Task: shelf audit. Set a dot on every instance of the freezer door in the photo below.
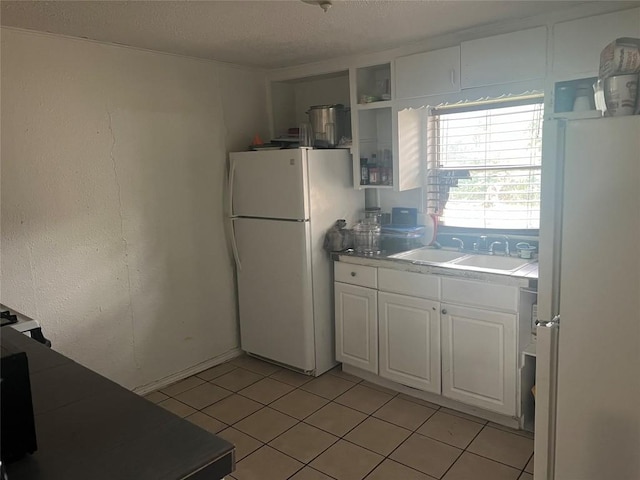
(275, 291)
(269, 184)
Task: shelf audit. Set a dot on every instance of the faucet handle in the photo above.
(482, 243)
(506, 245)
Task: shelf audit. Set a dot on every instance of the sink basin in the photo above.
(492, 262)
(427, 254)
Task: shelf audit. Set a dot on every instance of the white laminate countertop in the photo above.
(525, 277)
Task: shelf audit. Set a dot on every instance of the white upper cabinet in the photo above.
(428, 73)
(506, 58)
(577, 43)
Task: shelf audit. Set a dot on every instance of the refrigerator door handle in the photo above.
(547, 334)
(234, 244)
(543, 323)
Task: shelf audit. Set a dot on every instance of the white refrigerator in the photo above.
(282, 202)
(587, 424)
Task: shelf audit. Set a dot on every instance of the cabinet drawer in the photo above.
(356, 274)
(408, 283)
(480, 294)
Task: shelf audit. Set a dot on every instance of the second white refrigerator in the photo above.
(282, 203)
(588, 363)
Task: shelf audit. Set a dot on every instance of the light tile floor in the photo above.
(289, 426)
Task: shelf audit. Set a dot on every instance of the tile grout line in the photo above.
(339, 437)
(369, 414)
(263, 444)
(525, 465)
(297, 422)
(342, 437)
(492, 459)
(416, 432)
(388, 456)
(436, 440)
(268, 405)
(463, 451)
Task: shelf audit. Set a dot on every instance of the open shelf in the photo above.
(577, 115)
(374, 105)
(566, 101)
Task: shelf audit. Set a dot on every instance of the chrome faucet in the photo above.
(460, 243)
(505, 243)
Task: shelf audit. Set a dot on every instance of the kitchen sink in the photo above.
(492, 262)
(427, 254)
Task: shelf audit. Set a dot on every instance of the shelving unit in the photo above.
(577, 115)
(291, 99)
(563, 97)
(374, 105)
(372, 127)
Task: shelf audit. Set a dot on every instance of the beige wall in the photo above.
(113, 168)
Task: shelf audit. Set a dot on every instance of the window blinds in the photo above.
(484, 165)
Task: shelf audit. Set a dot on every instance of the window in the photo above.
(484, 164)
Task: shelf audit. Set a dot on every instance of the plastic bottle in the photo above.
(374, 172)
(364, 172)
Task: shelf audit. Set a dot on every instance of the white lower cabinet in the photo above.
(479, 357)
(356, 326)
(409, 341)
(449, 336)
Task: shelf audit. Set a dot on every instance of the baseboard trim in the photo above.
(176, 377)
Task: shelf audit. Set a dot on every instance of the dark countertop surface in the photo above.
(88, 427)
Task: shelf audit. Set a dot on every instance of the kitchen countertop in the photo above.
(88, 427)
(526, 276)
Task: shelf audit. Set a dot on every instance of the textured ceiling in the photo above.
(264, 33)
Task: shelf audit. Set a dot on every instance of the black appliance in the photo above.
(18, 427)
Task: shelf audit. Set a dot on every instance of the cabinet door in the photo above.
(510, 57)
(356, 326)
(409, 332)
(479, 358)
(428, 73)
(577, 44)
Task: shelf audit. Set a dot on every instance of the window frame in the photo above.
(531, 98)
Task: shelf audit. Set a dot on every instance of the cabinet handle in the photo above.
(453, 78)
(353, 274)
(444, 311)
